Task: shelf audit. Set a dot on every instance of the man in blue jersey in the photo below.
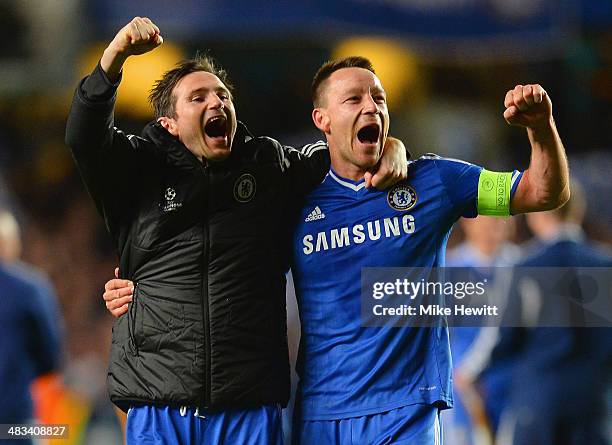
(386, 385)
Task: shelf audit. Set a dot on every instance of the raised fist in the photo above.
(139, 36)
(527, 106)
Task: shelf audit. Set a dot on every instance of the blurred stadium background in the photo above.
(446, 65)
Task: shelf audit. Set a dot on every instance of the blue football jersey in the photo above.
(347, 370)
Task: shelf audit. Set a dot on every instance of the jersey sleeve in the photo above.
(306, 168)
(473, 190)
(460, 180)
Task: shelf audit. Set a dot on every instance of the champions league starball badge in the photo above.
(402, 197)
(170, 194)
(170, 204)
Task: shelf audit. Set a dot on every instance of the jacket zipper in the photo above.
(132, 309)
(205, 296)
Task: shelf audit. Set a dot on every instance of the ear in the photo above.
(169, 124)
(321, 119)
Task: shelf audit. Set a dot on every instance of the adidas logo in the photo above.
(315, 215)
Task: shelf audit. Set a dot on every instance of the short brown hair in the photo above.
(161, 96)
(331, 66)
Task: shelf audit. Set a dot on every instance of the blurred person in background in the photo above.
(561, 375)
(30, 327)
(10, 238)
(202, 231)
(488, 251)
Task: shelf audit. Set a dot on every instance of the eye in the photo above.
(380, 98)
(352, 99)
(223, 96)
(197, 99)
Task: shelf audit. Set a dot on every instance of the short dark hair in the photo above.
(161, 96)
(330, 67)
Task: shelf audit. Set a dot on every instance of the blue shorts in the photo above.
(416, 424)
(171, 426)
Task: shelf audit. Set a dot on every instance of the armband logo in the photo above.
(402, 197)
(245, 188)
(488, 185)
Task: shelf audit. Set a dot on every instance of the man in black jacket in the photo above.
(203, 232)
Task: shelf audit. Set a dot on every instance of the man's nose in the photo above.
(215, 102)
(370, 105)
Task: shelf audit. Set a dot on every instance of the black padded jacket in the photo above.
(207, 247)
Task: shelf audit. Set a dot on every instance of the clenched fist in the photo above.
(139, 36)
(527, 106)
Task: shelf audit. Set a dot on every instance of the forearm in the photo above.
(545, 184)
(549, 164)
(112, 62)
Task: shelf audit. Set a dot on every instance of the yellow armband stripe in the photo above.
(494, 193)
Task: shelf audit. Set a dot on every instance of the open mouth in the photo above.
(369, 134)
(216, 127)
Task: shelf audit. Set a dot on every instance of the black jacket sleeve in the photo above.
(305, 168)
(108, 160)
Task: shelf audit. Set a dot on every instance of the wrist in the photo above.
(545, 129)
(112, 61)
(116, 54)
(543, 126)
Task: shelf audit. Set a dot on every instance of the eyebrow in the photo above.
(357, 91)
(216, 89)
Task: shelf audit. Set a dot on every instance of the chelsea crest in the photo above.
(402, 197)
(244, 188)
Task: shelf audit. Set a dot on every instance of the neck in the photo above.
(345, 168)
(548, 234)
(486, 248)
(550, 230)
(561, 230)
(349, 171)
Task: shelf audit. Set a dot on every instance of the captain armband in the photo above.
(494, 193)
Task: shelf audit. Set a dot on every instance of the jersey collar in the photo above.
(348, 183)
